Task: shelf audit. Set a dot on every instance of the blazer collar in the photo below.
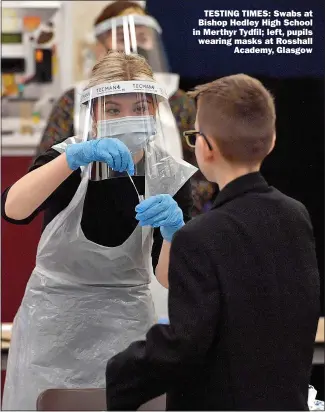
(252, 182)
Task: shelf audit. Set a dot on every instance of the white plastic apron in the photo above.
(83, 304)
(170, 82)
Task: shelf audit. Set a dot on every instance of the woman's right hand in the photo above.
(108, 150)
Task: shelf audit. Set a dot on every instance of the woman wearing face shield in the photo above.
(102, 191)
(109, 32)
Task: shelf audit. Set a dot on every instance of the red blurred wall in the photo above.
(18, 245)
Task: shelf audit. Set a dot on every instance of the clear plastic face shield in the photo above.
(128, 111)
(135, 33)
(131, 111)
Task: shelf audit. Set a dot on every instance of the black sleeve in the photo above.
(152, 367)
(185, 201)
(13, 221)
(58, 200)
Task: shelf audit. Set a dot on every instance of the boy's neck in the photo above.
(223, 177)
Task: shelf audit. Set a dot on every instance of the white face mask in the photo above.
(133, 131)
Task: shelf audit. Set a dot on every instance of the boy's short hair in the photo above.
(239, 114)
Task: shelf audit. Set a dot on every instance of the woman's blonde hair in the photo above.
(118, 66)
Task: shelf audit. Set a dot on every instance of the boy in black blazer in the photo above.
(243, 278)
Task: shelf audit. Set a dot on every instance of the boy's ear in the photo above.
(272, 144)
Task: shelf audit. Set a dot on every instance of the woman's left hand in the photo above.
(161, 211)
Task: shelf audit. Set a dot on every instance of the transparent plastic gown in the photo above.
(85, 302)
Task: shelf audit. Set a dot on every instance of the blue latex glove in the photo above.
(161, 211)
(108, 150)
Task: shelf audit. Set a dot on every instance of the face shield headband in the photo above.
(135, 33)
(128, 23)
(116, 105)
(129, 111)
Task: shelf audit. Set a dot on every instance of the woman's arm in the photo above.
(185, 201)
(161, 248)
(26, 195)
(163, 264)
